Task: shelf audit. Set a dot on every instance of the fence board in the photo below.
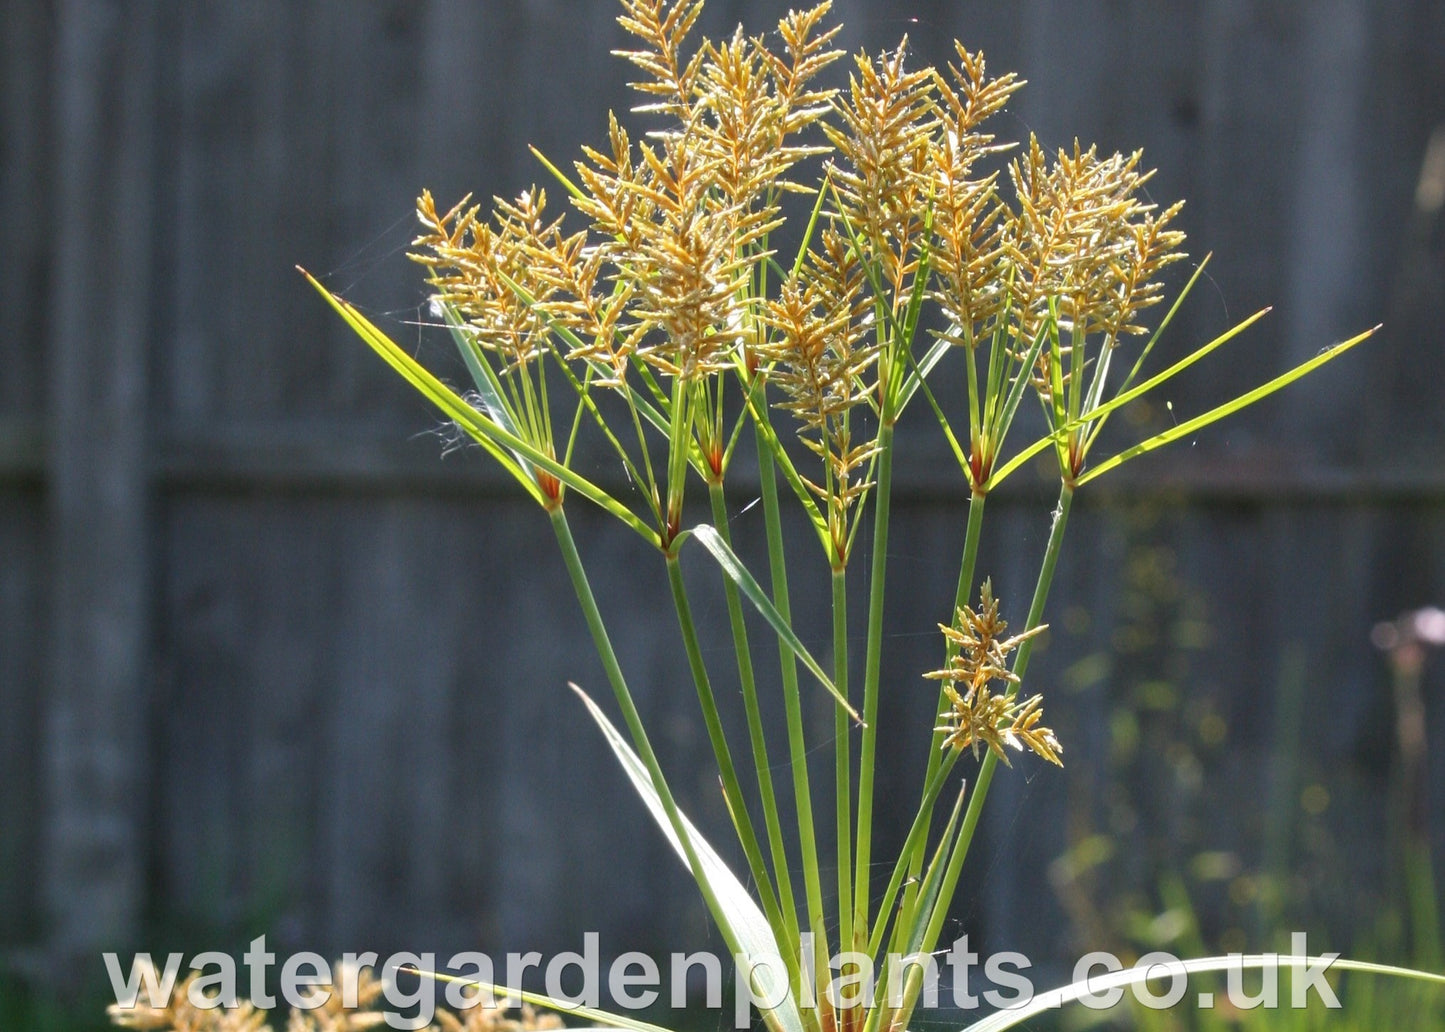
(26, 50)
(22, 637)
(92, 860)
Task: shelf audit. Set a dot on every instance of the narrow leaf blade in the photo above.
(1075, 991)
(1124, 397)
(733, 567)
(603, 1018)
(495, 438)
(1228, 408)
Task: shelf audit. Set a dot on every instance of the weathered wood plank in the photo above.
(22, 660)
(27, 201)
(100, 313)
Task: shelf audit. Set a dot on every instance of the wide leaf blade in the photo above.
(747, 928)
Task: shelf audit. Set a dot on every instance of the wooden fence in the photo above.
(267, 663)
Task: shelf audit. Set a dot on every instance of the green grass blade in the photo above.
(648, 410)
(908, 943)
(784, 462)
(1164, 323)
(930, 902)
(489, 388)
(792, 702)
(1058, 412)
(578, 345)
(733, 567)
(1075, 991)
(872, 666)
(842, 762)
(660, 397)
(812, 225)
(588, 405)
(920, 283)
(959, 455)
(746, 929)
(1100, 415)
(561, 177)
(496, 439)
(1124, 397)
(737, 431)
(917, 834)
(1228, 408)
(722, 752)
(757, 735)
(921, 369)
(1020, 384)
(451, 404)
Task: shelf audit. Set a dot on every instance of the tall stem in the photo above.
(843, 768)
(872, 665)
(732, 789)
(935, 753)
(756, 734)
(630, 716)
(990, 759)
(792, 704)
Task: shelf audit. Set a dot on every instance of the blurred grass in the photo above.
(23, 1007)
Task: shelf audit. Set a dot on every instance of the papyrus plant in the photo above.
(661, 316)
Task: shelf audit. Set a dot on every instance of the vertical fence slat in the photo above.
(93, 852)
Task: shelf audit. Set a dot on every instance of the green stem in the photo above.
(872, 666)
(917, 833)
(960, 598)
(792, 697)
(630, 716)
(990, 759)
(732, 789)
(843, 768)
(679, 428)
(789, 931)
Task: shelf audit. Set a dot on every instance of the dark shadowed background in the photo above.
(269, 664)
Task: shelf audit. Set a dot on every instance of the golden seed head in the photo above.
(669, 268)
(979, 712)
(968, 258)
(820, 354)
(180, 1015)
(887, 118)
(1083, 240)
(488, 272)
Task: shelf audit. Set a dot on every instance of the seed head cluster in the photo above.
(981, 712)
(672, 278)
(179, 1014)
(1082, 240)
(675, 271)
